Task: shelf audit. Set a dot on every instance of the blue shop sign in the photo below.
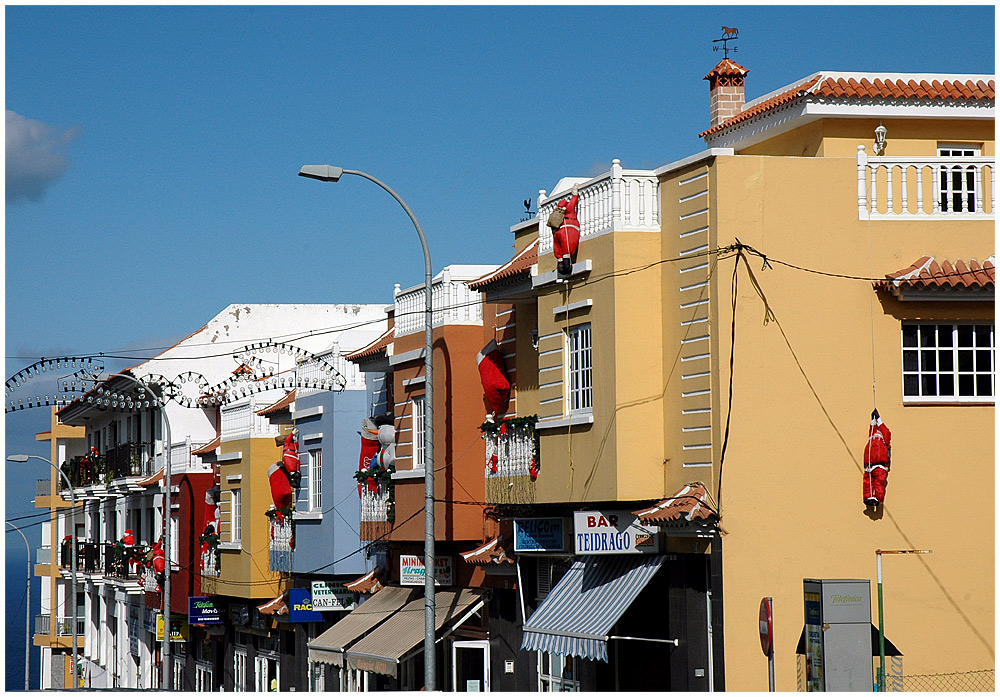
(300, 607)
(203, 610)
(538, 535)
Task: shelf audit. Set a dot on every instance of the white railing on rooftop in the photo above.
(454, 303)
(240, 421)
(313, 372)
(925, 188)
(622, 199)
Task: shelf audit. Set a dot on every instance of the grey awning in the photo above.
(329, 646)
(576, 615)
(382, 650)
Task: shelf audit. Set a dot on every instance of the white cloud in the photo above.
(35, 156)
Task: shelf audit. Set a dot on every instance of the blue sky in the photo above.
(152, 151)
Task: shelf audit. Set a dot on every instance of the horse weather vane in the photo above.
(728, 34)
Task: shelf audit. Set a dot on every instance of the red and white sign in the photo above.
(766, 627)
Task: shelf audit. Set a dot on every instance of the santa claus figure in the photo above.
(212, 511)
(493, 375)
(281, 489)
(878, 452)
(566, 238)
(290, 457)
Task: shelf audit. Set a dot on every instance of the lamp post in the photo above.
(881, 627)
(328, 173)
(72, 507)
(27, 613)
(165, 646)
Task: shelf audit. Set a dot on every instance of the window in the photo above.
(240, 670)
(948, 362)
(175, 534)
(203, 677)
(236, 516)
(418, 433)
(958, 182)
(316, 479)
(558, 673)
(579, 371)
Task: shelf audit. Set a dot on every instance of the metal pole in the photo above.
(430, 664)
(72, 504)
(27, 613)
(881, 628)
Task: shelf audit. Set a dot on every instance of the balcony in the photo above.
(123, 460)
(282, 543)
(511, 460)
(622, 199)
(43, 487)
(925, 188)
(240, 421)
(43, 555)
(124, 564)
(376, 507)
(454, 302)
(64, 627)
(210, 566)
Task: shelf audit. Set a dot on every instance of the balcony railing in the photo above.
(43, 555)
(282, 544)
(622, 199)
(104, 558)
(210, 562)
(43, 487)
(925, 188)
(64, 626)
(454, 303)
(511, 461)
(123, 460)
(241, 421)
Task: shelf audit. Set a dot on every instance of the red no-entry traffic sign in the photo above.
(766, 627)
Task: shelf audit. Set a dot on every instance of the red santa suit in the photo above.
(290, 458)
(878, 452)
(566, 239)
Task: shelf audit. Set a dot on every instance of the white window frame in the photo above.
(579, 369)
(316, 480)
(965, 185)
(915, 362)
(202, 677)
(236, 516)
(240, 670)
(178, 673)
(175, 533)
(550, 680)
(418, 407)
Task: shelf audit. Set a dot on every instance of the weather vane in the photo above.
(728, 34)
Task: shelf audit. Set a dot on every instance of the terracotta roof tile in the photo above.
(727, 67)
(859, 86)
(490, 553)
(281, 405)
(368, 583)
(692, 502)
(520, 265)
(927, 272)
(374, 348)
(209, 447)
(152, 479)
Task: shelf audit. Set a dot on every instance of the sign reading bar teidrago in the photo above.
(300, 607)
(411, 570)
(612, 532)
(203, 610)
(326, 597)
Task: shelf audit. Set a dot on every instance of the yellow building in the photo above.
(730, 321)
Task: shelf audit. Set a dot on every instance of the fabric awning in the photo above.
(382, 650)
(576, 615)
(329, 646)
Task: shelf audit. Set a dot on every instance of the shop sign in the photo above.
(149, 620)
(612, 532)
(539, 535)
(203, 610)
(178, 629)
(326, 598)
(411, 570)
(300, 606)
(133, 629)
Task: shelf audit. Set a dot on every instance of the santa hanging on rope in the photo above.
(878, 453)
(565, 232)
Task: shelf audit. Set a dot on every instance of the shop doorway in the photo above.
(470, 666)
(265, 673)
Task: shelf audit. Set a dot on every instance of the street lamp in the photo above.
(881, 628)
(27, 613)
(165, 649)
(72, 507)
(327, 173)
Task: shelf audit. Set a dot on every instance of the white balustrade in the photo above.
(622, 199)
(925, 188)
(374, 504)
(240, 421)
(281, 544)
(210, 562)
(514, 451)
(454, 303)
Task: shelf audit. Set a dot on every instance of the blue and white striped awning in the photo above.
(576, 615)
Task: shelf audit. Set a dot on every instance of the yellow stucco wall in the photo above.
(791, 496)
(246, 573)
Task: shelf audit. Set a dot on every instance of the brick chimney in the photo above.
(726, 90)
